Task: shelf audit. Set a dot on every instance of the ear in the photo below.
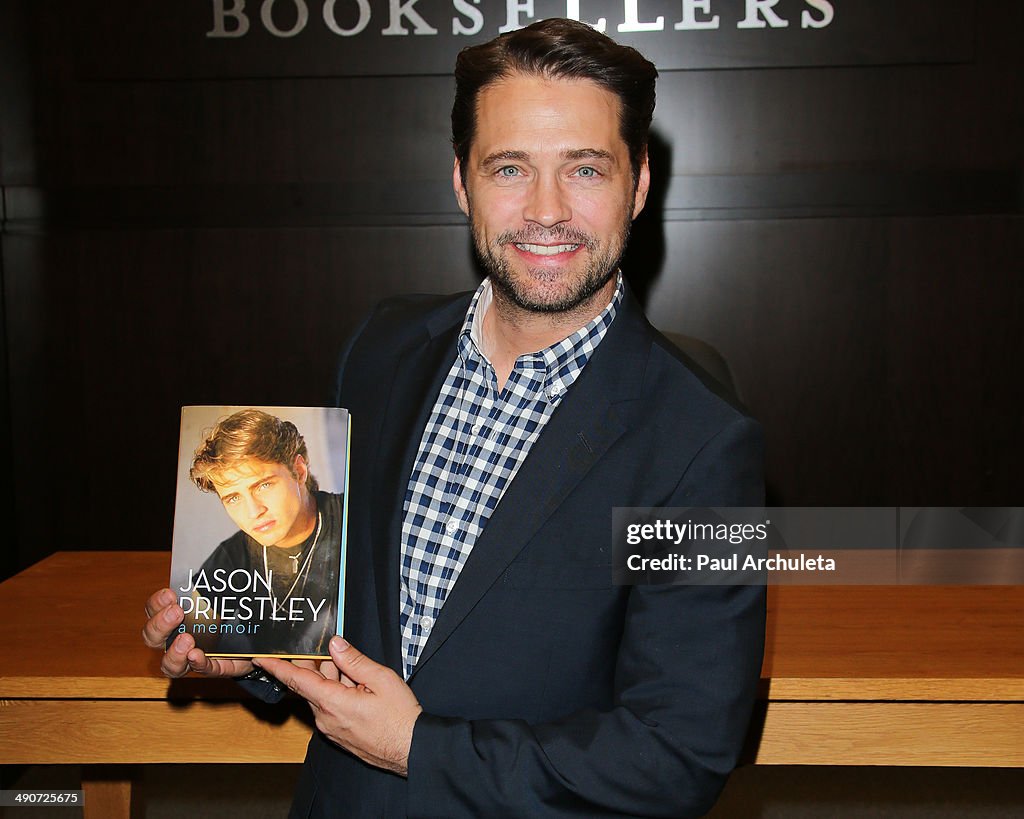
(300, 470)
(460, 188)
(643, 186)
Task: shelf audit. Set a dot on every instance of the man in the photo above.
(492, 669)
(288, 539)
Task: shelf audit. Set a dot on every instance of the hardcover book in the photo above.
(258, 552)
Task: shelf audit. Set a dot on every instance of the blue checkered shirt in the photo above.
(474, 443)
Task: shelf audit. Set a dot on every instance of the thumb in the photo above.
(354, 664)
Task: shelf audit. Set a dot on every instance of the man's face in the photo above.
(268, 502)
(549, 189)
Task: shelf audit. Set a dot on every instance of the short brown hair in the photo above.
(249, 434)
(558, 49)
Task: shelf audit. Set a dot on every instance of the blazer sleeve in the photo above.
(339, 371)
(262, 686)
(686, 678)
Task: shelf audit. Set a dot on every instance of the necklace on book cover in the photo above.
(305, 566)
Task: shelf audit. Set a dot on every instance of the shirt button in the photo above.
(476, 429)
(451, 526)
(426, 622)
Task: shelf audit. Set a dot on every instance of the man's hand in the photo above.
(363, 706)
(165, 615)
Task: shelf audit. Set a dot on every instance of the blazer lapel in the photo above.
(419, 370)
(592, 416)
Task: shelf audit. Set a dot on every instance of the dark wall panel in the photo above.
(795, 305)
(895, 341)
(142, 322)
(840, 216)
(955, 408)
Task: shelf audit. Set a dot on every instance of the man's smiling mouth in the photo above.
(545, 250)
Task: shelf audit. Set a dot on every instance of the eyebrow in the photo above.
(250, 485)
(589, 153)
(499, 157)
(262, 479)
(503, 156)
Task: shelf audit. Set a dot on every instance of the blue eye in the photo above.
(587, 172)
(508, 171)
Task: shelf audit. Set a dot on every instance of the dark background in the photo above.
(189, 220)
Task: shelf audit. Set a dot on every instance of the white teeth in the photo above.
(546, 250)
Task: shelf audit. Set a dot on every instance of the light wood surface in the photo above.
(144, 732)
(852, 675)
(893, 733)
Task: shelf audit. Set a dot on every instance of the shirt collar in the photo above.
(563, 360)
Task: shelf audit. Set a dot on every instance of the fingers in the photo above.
(159, 600)
(217, 666)
(200, 663)
(175, 662)
(165, 615)
(331, 672)
(358, 668)
(326, 669)
(357, 704)
(183, 657)
(307, 683)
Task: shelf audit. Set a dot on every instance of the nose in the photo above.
(547, 203)
(254, 508)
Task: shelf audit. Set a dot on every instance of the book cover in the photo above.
(258, 551)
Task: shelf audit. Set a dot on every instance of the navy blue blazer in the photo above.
(548, 691)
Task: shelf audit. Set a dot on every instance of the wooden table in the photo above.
(853, 675)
